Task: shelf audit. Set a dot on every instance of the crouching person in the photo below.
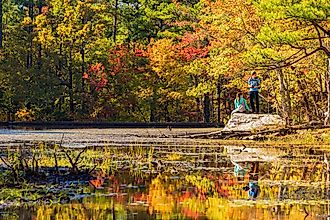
(240, 104)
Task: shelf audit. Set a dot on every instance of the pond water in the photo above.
(170, 181)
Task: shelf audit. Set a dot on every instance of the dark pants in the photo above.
(254, 96)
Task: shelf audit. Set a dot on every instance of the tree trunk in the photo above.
(199, 114)
(321, 86)
(1, 34)
(115, 21)
(152, 104)
(198, 101)
(166, 112)
(152, 112)
(83, 69)
(326, 121)
(285, 112)
(303, 86)
(39, 62)
(59, 67)
(287, 96)
(207, 108)
(30, 29)
(82, 52)
(71, 82)
(219, 101)
(8, 116)
(212, 107)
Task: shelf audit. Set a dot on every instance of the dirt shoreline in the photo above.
(104, 136)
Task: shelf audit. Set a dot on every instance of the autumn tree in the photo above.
(70, 32)
(228, 27)
(292, 31)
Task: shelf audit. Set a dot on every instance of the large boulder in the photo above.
(248, 122)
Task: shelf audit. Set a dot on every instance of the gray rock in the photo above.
(248, 122)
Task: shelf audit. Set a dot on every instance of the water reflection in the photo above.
(205, 196)
(200, 187)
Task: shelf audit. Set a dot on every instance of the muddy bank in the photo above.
(104, 136)
(83, 125)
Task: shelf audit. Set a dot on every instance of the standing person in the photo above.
(254, 85)
(240, 104)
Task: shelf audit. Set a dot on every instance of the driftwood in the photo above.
(253, 135)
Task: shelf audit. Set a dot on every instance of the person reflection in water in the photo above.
(253, 188)
(251, 169)
(241, 169)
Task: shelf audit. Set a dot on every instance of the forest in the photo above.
(162, 60)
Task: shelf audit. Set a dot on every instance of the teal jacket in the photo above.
(241, 101)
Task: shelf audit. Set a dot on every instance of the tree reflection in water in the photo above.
(208, 187)
(194, 196)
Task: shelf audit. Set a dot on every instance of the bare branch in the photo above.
(5, 162)
(296, 54)
(275, 63)
(279, 66)
(70, 159)
(298, 48)
(9, 166)
(318, 34)
(326, 51)
(78, 157)
(327, 32)
(314, 38)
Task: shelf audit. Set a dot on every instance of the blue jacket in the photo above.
(254, 190)
(254, 82)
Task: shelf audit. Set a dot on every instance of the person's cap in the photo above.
(253, 72)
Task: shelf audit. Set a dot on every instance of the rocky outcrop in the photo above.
(248, 122)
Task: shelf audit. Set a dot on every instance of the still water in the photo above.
(186, 182)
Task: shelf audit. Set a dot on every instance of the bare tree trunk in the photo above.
(287, 97)
(71, 82)
(83, 70)
(82, 52)
(319, 76)
(284, 106)
(166, 112)
(207, 108)
(326, 121)
(219, 101)
(198, 101)
(212, 107)
(59, 67)
(39, 62)
(198, 104)
(1, 34)
(30, 29)
(302, 87)
(152, 105)
(115, 21)
(152, 112)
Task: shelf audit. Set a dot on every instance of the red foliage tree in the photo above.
(192, 47)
